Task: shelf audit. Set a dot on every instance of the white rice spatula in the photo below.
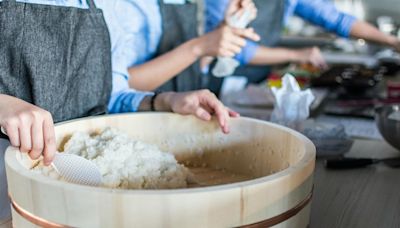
(74, 168)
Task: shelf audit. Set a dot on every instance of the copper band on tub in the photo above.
(35, 219)
(282, 217)
(266, 223)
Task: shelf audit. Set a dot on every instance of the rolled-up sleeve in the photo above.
(325, 14)
(247, 53)
(124, 99)
(122, 25)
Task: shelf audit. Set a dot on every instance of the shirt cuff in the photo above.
(127, 100)
(247, 53)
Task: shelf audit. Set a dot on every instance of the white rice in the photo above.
(126, 163)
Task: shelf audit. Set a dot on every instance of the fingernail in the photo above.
(205, 116)
(226, 130)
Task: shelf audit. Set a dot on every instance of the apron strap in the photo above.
(90, 4)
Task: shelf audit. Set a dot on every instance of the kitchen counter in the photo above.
(368, 197)
(358, 198)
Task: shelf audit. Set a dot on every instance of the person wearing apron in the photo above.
(56, 58)
(273, 14)
(182, 26)
(166, 33)
(55, 65)
(134, 40)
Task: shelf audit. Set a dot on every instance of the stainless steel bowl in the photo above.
(389, 127)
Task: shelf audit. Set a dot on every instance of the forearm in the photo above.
(156, 72)
(364, 30)
(5, 102)
(270, 56)
(162, 102)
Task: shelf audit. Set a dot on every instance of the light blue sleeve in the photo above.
(215, 13)
(325, 14)
(124, 19)
(247, 53)
(124, 99)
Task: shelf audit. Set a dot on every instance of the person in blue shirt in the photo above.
(56, 65)
(159, 42)
(131, 42)
(273, 14)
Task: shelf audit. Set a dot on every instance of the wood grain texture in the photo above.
(359, 198)
(204, 177)
(254, 148)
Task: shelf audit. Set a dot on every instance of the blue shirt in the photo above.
(142, 23)
(135, 30)
(123, 99)
(127, 46)
(139, 29)
(320, 12)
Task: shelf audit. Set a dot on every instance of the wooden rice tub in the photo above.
(260, 175)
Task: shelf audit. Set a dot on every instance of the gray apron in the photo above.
(179, 24)
(269, 25)
(58, 58)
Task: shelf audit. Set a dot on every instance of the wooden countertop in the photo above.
(368, 197)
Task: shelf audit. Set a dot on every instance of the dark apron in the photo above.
(179, 24)
(58, 58)
(269, 25)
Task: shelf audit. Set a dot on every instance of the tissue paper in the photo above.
(292, 105)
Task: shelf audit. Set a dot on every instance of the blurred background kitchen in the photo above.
(360, 77)
(354, 118)
(371, 11)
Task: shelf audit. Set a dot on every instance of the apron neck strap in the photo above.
(90, 4)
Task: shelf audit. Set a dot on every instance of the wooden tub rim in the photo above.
(308, 156)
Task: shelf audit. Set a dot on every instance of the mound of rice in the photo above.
(127, 163)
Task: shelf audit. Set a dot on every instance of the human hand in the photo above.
(393, 42)
(238, 7)
(310, 55)
(202, 104)
(28, 127)
(225, 41)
